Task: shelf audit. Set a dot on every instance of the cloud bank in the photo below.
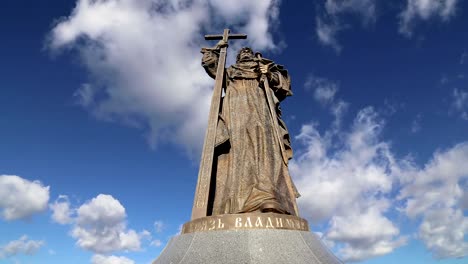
(21, 198)
(345, 179)
(424, 10)
(329, 21)
(144, 62)
(21, 246)
(98, 225)
(351, 182)
(101, 259)
(332, 17)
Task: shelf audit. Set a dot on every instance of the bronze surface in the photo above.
(244, 164)
(200, 206)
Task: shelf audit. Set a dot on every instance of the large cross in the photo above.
(200, 203)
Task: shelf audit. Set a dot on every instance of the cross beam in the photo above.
(200, 203)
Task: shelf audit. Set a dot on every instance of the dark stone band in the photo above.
(246, 221)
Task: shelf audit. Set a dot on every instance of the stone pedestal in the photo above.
(273, 246)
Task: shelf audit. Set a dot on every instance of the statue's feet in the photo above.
(272, 207)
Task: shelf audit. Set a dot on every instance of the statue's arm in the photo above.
(280, 82)
(278, 78)
(210, 58)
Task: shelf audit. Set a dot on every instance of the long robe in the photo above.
(250, 166)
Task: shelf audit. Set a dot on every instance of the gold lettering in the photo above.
(248, 223)
(212, 224)
(258, 223)
(238, 222)
(289, 223)
(203, 225)
(298, 224)
(269, 223)
(200, 226)
(279, 222)
(220, 224)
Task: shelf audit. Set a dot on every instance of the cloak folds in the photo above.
(249, 171)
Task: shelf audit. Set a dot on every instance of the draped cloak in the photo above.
(250, 167)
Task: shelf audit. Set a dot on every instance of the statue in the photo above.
(251, 145)
(243, 182)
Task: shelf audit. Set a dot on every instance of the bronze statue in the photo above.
(248, 163)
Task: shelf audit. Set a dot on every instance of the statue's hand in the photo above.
(264, 68)
(221, 44)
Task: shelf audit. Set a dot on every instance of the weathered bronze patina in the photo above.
(246, 221)
(244, 165)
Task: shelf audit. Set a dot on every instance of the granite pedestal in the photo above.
(258, 246)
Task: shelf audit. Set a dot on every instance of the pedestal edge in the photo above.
(246, 221)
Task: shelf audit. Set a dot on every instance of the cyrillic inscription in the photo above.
(246, 221)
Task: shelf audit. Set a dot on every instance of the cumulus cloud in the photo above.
(424, 10)
(345, 179)
(329, 22)
(437, 194)
(460, 102)
(144, 61)
(21, 246)
(21, 198)
(101, 259)
(61, 211)
(348, 179)
(100, 227)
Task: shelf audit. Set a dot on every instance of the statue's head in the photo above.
(245, 53)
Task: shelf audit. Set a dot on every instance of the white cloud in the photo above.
(348, 180)
(345, 179)
(324, 89)
(144, 59)
(101, 228)
(327, 33)
(329, 22)
(61, 211)
(158, 226)
(460, 102)
(156, 243)
(425, 10)
(437, 193)
(366, 235)
(259, 17)
(325, 93)
(21, 198)
(101, 259)
(21, 246)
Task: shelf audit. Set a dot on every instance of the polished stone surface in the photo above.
(247, 246)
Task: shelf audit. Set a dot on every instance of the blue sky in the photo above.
(103, 107)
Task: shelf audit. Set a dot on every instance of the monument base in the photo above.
(272, 246)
